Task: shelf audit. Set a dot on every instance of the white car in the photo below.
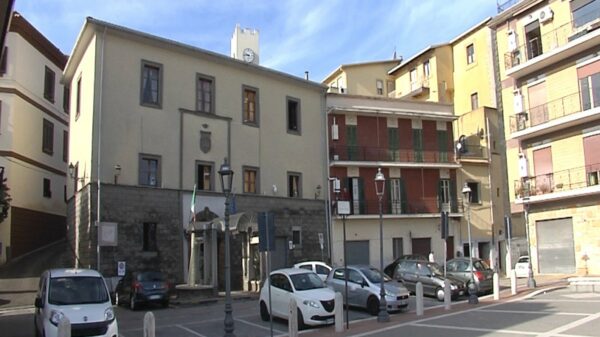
(81, 296)
(321, 268)
(315, 301)
(521, 267)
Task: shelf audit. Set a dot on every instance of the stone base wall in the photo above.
(132, 206)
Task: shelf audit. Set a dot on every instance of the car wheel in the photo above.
(439, 293)
(264, 312)
(132, 305)
(373, 305)
(301, 325)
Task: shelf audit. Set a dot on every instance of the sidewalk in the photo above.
(366, 326)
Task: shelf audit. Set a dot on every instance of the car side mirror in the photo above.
(38, 303)
(364, 284)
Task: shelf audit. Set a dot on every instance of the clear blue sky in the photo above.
(295, 35)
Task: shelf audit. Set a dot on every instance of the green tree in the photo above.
(5, 200)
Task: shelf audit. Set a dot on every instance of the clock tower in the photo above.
(244, 44)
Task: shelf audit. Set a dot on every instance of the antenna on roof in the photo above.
(395, 56)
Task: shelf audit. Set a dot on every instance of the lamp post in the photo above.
(226, 180)
(530, 280)
(472, 287)
(383, 315)
(343, 208)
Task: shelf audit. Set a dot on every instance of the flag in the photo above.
(193, 204)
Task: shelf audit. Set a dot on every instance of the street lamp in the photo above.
(226, 181)
(530, 280)
(343, 211)
(383, 315)
(472, 287)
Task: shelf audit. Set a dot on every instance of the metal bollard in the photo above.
(339, 312)
(419, 293)
(64, 327)
(513, 282)
(293, 318)
(447, 295)
(149, 325)
(496, 287)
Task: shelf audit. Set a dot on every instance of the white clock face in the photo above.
(248, 55)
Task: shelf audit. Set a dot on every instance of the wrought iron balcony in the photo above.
(566, 180)
(409, 207)
(473, 152)
(544, 113)
(368, 153)
(537, 46)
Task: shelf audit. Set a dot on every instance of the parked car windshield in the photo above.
(374, 276)
(435, 269)
(480, 265)
(306, 281)
(77, 290)
(153, 276)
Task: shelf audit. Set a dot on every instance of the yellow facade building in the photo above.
(549, 76)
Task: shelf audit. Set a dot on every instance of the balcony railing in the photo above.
(551, 40)
(473, 152)
(367, 153)
(546, 112)
(410, 207)
(571, 179)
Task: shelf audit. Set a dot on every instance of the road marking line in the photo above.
(570, 325)
(518, 332)
(513, 300)
(259, 326)
(15, 312)
(189, 330)
(536, 312)
(541, 300)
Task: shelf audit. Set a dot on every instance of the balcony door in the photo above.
(533, 37)
(591, 144)
(542, 165)
(538, 108)
(396, 195)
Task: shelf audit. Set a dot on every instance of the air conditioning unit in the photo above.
(336, 157)
(545, 14)
(512, 41)
(523, 167)
(334, 132)
(518, 101)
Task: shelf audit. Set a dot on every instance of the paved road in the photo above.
(557, 313)
(182, 321)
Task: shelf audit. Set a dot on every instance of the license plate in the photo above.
(460, 293)
(154, 297)
(329, 321)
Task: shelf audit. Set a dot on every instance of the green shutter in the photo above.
(351, 142)
(403, 199)
(440, 193)
(453, 196)
(443, 145)
(361, 195)
(393, 144)
(418, 144)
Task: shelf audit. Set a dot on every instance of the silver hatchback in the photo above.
(364, 287)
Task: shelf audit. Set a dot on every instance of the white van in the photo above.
(81, 295)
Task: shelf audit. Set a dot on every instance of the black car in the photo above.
(144, 287)
(410, 272)
(390, 268)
